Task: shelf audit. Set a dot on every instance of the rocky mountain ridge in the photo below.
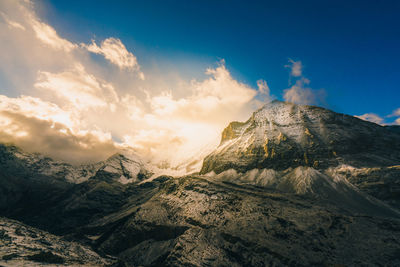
(282, 135)
(126, 164)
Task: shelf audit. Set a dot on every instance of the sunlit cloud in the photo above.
(11, 23)
(264, 91)
(78, 88)
(35, 108)
(395, 113)
(69, 108)
(372, 117)
(391, 119)
(192, 122)
(36, 125)
(300, 92)
(296, 68)
(115, 51)
(49, 36)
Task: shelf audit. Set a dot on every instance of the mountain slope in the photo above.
(127, 165)
(282, 135)
(193, 221)
(22, 245)
(273, 193)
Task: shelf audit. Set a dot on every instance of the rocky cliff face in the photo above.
(22, 245)
(282, 135)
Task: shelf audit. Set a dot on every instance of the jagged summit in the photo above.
(124, 166)
(282, 135)
(127, 165)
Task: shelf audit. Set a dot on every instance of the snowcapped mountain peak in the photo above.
(128, 165)
(281, 135)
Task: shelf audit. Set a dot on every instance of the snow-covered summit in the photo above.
(282, 135)
(125, 165)
(128, 165)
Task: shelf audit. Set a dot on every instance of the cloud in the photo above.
(296, 68)
(372, 117)
(35, 108)
(70, 106)
(11, 23)
(177, 127)
(264, 91)
(213, 99)
(36, 125)
(300, 93)
(395, 113)
(78, 88)
(115, 51)
(49, 36)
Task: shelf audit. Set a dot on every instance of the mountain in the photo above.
(125, 165)
(293, 186)
(22, 245)
(282, 135)
(393, 128)
(311, 150)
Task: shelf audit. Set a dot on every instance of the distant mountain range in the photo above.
(293, 185)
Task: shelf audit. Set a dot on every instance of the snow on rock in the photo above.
(22, 245)
(126, 164)
(282, 135)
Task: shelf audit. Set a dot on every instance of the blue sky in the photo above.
(80, 80)
(348, 48)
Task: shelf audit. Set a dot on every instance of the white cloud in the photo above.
(382, 120)
(11, 23)
(395, 113)
(299, 93)
(296, 68)
(177, 127)
(115, 51)
(75, 103)
(49, 36)
(36, 125)
(215, 99)
(35, 108)
(78, 88)
(372, 117)
(263, 87)
(264, 91)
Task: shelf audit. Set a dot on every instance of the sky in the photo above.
(80, 80)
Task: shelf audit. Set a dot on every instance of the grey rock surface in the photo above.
(22, 245)
(282, 135)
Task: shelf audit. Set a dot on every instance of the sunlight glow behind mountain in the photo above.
(81, 102)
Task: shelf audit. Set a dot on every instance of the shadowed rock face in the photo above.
(282, 135)
(22, 245)
(193, 221)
